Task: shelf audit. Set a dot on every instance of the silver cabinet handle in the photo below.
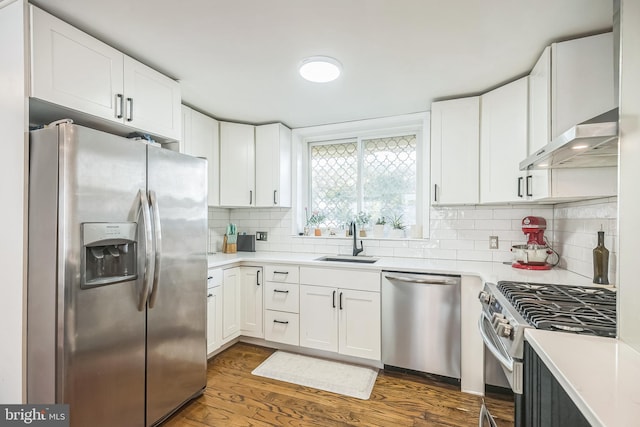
(250, 197)
(434, 280)
(130, 109)
(275, 194)
(148, 248)
(158, 246)
(119, 103)
(504, 360)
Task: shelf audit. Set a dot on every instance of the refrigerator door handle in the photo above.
(148, 244)
(157, 233)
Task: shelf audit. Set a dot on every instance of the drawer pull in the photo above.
(209, 295)
(284, 322)
(280, 272)
(280, 292)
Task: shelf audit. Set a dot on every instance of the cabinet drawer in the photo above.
(341, 278)
(282, 296)
(281, 273)
(281, 327)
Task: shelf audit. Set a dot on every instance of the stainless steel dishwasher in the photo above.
(421, 322)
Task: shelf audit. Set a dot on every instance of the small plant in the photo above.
(396, 223)
(381, 221)
(316, 218)
(363, 218)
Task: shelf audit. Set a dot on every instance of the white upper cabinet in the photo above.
(540, 102)
(273, 165)
(74, 70)
(151, 100)
(503, 142)
(200, 138)
(582, 83)
(455, 151)
(237, 165)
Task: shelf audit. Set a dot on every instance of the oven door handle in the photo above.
(485, 417)
(504, 359)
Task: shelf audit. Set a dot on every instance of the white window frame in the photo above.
(417, 123)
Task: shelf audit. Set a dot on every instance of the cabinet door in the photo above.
(455, 151)
(201, 139)
(73, 69)
(359, 323)
(503, 142)
(231, 294)
(214, 318)
(251, 316)
(540, 103)
(582, 80)
(273, 165)
(152, 100)
(237, 165)
(319, 317)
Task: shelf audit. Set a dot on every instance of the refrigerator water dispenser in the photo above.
(109, 253)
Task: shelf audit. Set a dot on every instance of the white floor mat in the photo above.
(336, 377)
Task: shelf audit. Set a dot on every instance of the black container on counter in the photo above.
(601, 262)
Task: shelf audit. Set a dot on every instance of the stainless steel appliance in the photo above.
(421, 322)
(117, 277)
(508, 308)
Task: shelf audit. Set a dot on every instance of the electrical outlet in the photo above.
(493, 242)
(261, 235)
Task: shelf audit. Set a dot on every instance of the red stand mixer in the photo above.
(533, 255)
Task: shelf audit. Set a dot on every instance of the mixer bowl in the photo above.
(531, 254)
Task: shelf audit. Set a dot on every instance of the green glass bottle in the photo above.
(601, 262)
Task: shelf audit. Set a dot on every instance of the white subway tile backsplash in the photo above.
(453, 233)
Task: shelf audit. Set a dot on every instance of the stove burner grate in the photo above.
(576, 309)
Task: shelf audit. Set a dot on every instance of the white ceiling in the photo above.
(237, 59)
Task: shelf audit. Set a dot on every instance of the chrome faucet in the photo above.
(356, 249)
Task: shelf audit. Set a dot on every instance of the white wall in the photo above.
(629, 210)
(13, 121)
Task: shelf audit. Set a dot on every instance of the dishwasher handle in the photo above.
(428, 280)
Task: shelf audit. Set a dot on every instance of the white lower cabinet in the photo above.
(340, 320)
(231, 294)
(251, 305)
(282, 304)
(214, 311)
(337, 319)
(282, 327)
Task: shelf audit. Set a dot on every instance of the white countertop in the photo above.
(487, 271)
(601, 375)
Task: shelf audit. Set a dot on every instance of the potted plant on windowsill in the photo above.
(378, 227)
(397, 228)
(362, 219)
(314, 221)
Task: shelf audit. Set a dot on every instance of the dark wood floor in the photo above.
(235, 397)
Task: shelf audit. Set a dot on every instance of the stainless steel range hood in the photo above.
(593, 143)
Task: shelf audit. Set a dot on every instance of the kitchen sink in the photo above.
(349, 258)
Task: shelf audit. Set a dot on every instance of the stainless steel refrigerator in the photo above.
(117, 277)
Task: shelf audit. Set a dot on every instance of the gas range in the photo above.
(511, 307)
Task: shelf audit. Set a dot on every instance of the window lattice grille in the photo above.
(334, 177)
(382, 182)
(389, 177)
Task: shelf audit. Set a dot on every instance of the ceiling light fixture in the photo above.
(320, 69)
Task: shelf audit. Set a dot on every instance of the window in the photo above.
(376, 175)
